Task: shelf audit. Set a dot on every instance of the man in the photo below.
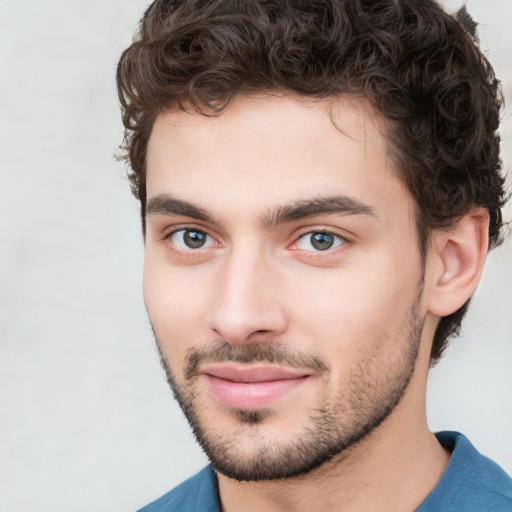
(319, 183)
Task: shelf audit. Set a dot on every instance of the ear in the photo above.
(455, 262)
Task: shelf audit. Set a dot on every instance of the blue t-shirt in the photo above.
(471, 483)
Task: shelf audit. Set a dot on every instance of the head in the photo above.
(420, 67)
(398, 86)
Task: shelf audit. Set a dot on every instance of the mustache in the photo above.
(254, 352)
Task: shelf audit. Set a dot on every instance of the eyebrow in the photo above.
(164, 204)
(167, 205)
(331, 205)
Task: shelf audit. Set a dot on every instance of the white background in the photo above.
(87, 422)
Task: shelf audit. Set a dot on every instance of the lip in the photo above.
(251, 387)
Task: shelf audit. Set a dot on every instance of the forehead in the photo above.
(268, 150)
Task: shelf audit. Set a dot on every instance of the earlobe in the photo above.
(456, 261)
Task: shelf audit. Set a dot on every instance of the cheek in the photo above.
(175, 301)
(353, 309)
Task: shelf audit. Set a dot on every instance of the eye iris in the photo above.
(194, 239)
(322, 241)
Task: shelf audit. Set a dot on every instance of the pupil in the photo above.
(194, 239)
(322, 241)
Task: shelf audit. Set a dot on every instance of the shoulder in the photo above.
(198, 493)
(471, 482)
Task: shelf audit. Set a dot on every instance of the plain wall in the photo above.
(87, 422)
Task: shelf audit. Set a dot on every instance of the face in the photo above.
(282, 278)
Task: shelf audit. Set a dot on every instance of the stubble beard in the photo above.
(372, 393)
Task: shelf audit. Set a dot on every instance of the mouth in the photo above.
(251, 387)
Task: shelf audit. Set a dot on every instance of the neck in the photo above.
(393, 468)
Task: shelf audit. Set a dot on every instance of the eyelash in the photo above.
(339, 240)
(169, 237)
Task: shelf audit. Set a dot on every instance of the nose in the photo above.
(248, 304)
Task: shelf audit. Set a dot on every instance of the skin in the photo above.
(358, 306)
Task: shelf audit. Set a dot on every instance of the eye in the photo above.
(190, 239)
(319, 241)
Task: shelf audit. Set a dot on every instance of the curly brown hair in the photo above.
(420, 66)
